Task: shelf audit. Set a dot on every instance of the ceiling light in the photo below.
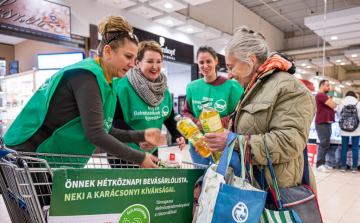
(189, 29)
(169, 21)
(168, 5)
(342, 63)
(304, 64)
(145, 13)
(299, 70)
(354, 55)
(341, 86)
(304, 72)
(348, 84)
(308, 67)
(162, 69)
(117, 2)
(334, 38)
(338, 61)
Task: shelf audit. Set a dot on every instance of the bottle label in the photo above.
(212, 124)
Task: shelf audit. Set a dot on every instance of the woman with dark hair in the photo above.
(222, 93)
(347, 107)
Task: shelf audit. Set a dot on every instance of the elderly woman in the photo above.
(275, 107)
(144, 100)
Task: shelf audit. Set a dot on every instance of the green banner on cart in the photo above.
(123, 195)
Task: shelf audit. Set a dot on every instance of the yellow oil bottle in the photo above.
(190, 130)
(211, 122)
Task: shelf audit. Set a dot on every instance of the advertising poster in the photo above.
(39, 15)
(123, 195)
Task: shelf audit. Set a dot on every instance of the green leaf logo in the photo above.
(136, 213)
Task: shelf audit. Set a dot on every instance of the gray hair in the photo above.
(246, 42)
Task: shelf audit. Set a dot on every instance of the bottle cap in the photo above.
(177, 117)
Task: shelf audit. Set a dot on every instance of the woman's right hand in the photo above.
(146, 146)
(154, 137)
(148, 162)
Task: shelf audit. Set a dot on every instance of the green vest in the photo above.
(139, 115)
(223, 98)
(70, 138)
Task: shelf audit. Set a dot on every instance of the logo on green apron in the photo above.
(165, 111)
(47, 83)
(220, 105)
(136, 213)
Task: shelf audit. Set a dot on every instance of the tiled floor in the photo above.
(338, 194)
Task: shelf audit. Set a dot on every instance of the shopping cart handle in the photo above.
(11, 195)
(3, 153)
(22, 205)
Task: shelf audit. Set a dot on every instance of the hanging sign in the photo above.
(123, 195)
(39, 15)
(335, 93)
(308, 84)
(173, 50)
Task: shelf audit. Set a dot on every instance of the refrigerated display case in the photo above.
(181, 103)
(19, 88)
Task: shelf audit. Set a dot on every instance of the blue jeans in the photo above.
(196, 158)
(354, 147)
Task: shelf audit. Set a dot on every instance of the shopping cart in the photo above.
(26, 179)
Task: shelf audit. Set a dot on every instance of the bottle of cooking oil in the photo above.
(211, 122)
(190, 130)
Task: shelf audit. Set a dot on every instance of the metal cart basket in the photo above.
(26, 179)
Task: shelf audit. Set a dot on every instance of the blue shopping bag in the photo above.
(235, 204)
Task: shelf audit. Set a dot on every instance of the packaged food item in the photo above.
(190, 130)
(211, 122)
(170, 160)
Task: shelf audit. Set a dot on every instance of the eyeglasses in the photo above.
(130, 34)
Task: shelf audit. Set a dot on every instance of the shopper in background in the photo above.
(325, 115)
(220, 91)
(275, 107)
(144, 100)
(81, 105)
(350, 99)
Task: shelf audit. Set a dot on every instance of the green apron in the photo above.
(70, 138)
(223, 98)
(139, 115)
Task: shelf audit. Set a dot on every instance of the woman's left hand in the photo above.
(181, 143)
(217, 141)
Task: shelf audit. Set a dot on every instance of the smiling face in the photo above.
(120, 61)
(207, 64)
(150, 65)
(242, 72)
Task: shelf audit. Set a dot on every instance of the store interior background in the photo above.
(292, 27)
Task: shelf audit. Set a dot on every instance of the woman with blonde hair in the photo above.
(72, 112)
(144, 98)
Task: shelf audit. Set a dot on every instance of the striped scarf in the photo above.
(151, 93)
(276, 61)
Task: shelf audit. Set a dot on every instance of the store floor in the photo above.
(338, 194)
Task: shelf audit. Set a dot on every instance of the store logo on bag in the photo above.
(240, 212)
(220, 105)
(165, 111)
